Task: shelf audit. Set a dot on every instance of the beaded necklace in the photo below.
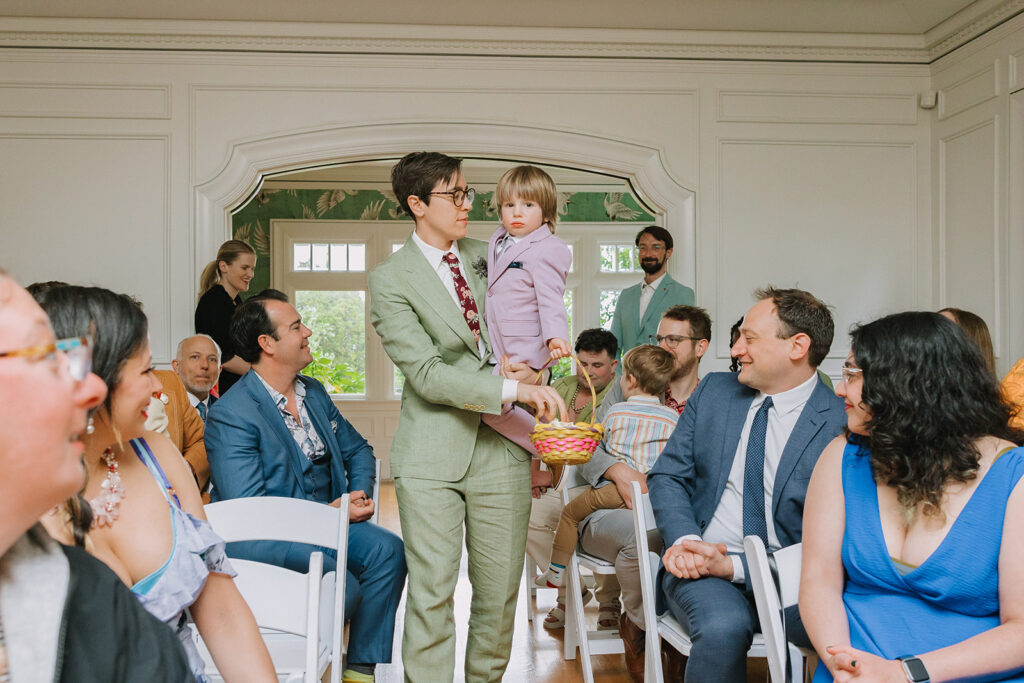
(107, 505)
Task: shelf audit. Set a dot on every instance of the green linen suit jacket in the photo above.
(627, 327)
(448, 384)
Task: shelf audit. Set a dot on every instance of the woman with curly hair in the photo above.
(913, 559)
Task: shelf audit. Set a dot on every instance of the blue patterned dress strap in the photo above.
(145, 454)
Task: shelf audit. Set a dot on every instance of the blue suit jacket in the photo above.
(687, 481)
(252, 453)
(627, 327)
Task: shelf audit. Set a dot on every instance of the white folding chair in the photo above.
(287, 607)
(663, 626)
(376, 491)
(576, 633)
(785, 660)
(269, 518)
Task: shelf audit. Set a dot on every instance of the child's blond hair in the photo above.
(651, 366)
(529, 182)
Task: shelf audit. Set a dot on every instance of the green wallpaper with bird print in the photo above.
(252, 222)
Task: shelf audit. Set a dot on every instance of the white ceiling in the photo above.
(819, 16)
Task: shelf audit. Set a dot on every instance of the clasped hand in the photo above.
(694, 559)
(360, 506)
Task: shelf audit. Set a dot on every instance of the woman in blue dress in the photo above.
(147, 520)
(913, 539)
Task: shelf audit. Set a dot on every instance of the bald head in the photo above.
(198, 364)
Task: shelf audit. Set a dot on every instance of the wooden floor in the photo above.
(536, 652)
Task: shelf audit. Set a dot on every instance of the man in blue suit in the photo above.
(641, 306)
(738, 464)
(279, 434)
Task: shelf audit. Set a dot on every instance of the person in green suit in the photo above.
(453, 474)
(640, 307)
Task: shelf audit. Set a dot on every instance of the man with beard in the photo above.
(197, 364)
(641, 306)
(685, 332)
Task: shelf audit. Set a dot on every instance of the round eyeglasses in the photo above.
(460, 195)
(671, 340)
(78, 351)
(850, 373)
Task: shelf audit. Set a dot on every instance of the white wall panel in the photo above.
(968, 223)
(816, 107)
(84, 100)
(968, 92)
(90, 210)
(837, 219)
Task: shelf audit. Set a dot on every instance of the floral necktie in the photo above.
(466, 300)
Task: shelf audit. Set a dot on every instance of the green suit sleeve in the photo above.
(415, 352)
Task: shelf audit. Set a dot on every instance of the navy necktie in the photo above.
(753, 476)
(201, 407)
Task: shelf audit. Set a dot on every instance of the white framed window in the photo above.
(325, 272)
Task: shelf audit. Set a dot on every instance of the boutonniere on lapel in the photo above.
(334, 426)
(516, 264)
(480, 267)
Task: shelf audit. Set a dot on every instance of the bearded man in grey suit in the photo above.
(452, 472)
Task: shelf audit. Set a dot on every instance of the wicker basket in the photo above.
(568, 444)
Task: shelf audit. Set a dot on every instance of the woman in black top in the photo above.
(219, 287)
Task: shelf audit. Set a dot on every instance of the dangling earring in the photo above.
(90, 427)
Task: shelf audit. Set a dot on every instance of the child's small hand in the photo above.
(559, 348)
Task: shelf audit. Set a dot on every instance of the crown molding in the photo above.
(294, 37)
(968, 24)
(495, 41)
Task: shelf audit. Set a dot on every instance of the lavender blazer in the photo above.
(525, 290)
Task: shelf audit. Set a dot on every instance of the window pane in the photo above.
(609, 298)
(320, 256)
(624, 260)
(398, 382)
(607, 258)
(300, 257)
(564, 366)
(339, 257)
(338, 344)
(357, 257)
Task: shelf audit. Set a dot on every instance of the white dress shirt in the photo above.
(194, 400)
(646, 294)
(435, 257)
(726, 524)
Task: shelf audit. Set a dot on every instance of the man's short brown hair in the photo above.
(651, 366)
(802, 312)
(700, 321)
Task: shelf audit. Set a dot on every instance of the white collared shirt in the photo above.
(435, 257)
(194, 400)
(726, 525)
(646, 294)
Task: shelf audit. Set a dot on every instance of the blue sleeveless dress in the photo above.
(196, 551)
(951, 597)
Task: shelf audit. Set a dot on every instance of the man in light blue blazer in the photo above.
(738, 464)
(641, 306)
(277, 433)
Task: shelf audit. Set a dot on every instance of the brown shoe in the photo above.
(673, 663)
(633, 643)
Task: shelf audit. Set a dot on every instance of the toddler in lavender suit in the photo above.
(526, 270)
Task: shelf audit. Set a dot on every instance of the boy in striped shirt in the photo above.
(636, 431)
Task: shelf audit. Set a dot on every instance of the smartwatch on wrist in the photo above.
(914, 670)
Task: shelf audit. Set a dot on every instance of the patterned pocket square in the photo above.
(516, 264)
